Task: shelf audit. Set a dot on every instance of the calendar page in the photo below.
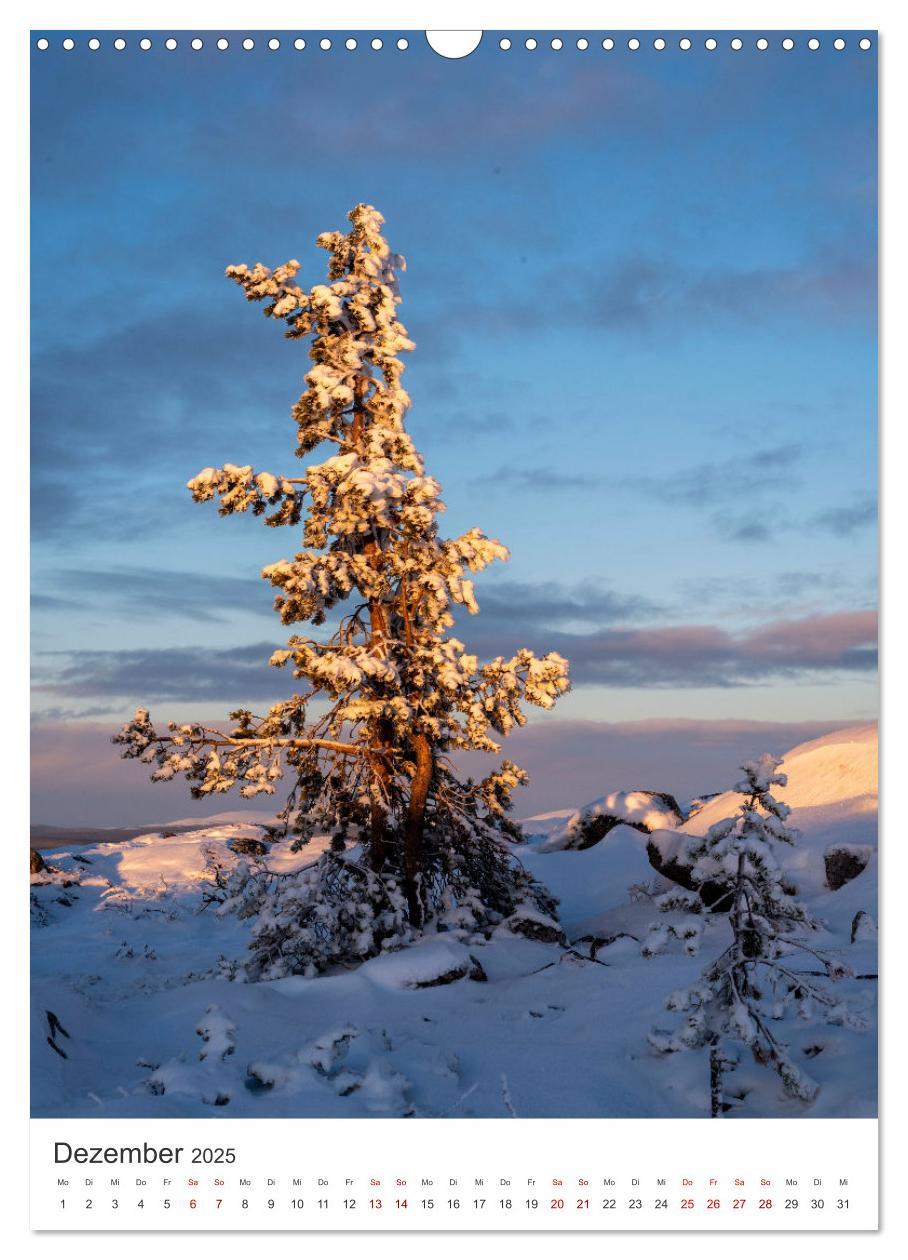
(454, 738)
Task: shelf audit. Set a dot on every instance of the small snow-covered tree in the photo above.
(388, 695)
(742, 997)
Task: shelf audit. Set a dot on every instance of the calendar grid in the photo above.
(303, 1175)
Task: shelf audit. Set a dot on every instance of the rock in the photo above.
(477, 972)
(247, 847)
(36, 862)
(715, 896)
(529, 922)
(699, 802)
(863, 927)
(168, 835)
(592, 944)
(642, 809)
(458, 972)
(844, 863)
(469, 969)
(427, 964)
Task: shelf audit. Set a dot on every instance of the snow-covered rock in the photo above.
(845, 862)
(644, 810)
(433, 961)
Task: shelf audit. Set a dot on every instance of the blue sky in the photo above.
(642, 291)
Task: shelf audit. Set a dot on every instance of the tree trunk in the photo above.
(380, 762)
(415, 824)
(378, 819)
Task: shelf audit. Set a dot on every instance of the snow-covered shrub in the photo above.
(396, 694)
(339, 910)
(334, 911)
(245, 891)
(761, 978)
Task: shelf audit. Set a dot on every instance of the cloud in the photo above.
(799, 581)
(667, 656)
(843, 521)
(131, 592)
(236, 675)
(847, 519)
(746, 529)
(712, 481)
(643, 291)
(537, 479)
(706, 655)
(714, 486)
(129, 413)
(659, 297)
(520, 606)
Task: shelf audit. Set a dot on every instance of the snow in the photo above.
(832, 790)
(541, 826)
(428, 962)
(135, 964)
(644, 809)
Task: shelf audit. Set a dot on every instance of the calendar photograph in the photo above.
(454, 552)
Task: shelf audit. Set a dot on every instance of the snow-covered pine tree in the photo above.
(742, 997)
(389, 695)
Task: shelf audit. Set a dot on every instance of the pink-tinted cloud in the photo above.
(828, 644)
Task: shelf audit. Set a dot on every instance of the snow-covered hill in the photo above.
(130, 956)
(541, 826)
(833, 792)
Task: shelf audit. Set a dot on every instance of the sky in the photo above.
(642, 288)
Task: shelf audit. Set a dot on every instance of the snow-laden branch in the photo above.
(242, 490)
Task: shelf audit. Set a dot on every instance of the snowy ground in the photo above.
(130, 959)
